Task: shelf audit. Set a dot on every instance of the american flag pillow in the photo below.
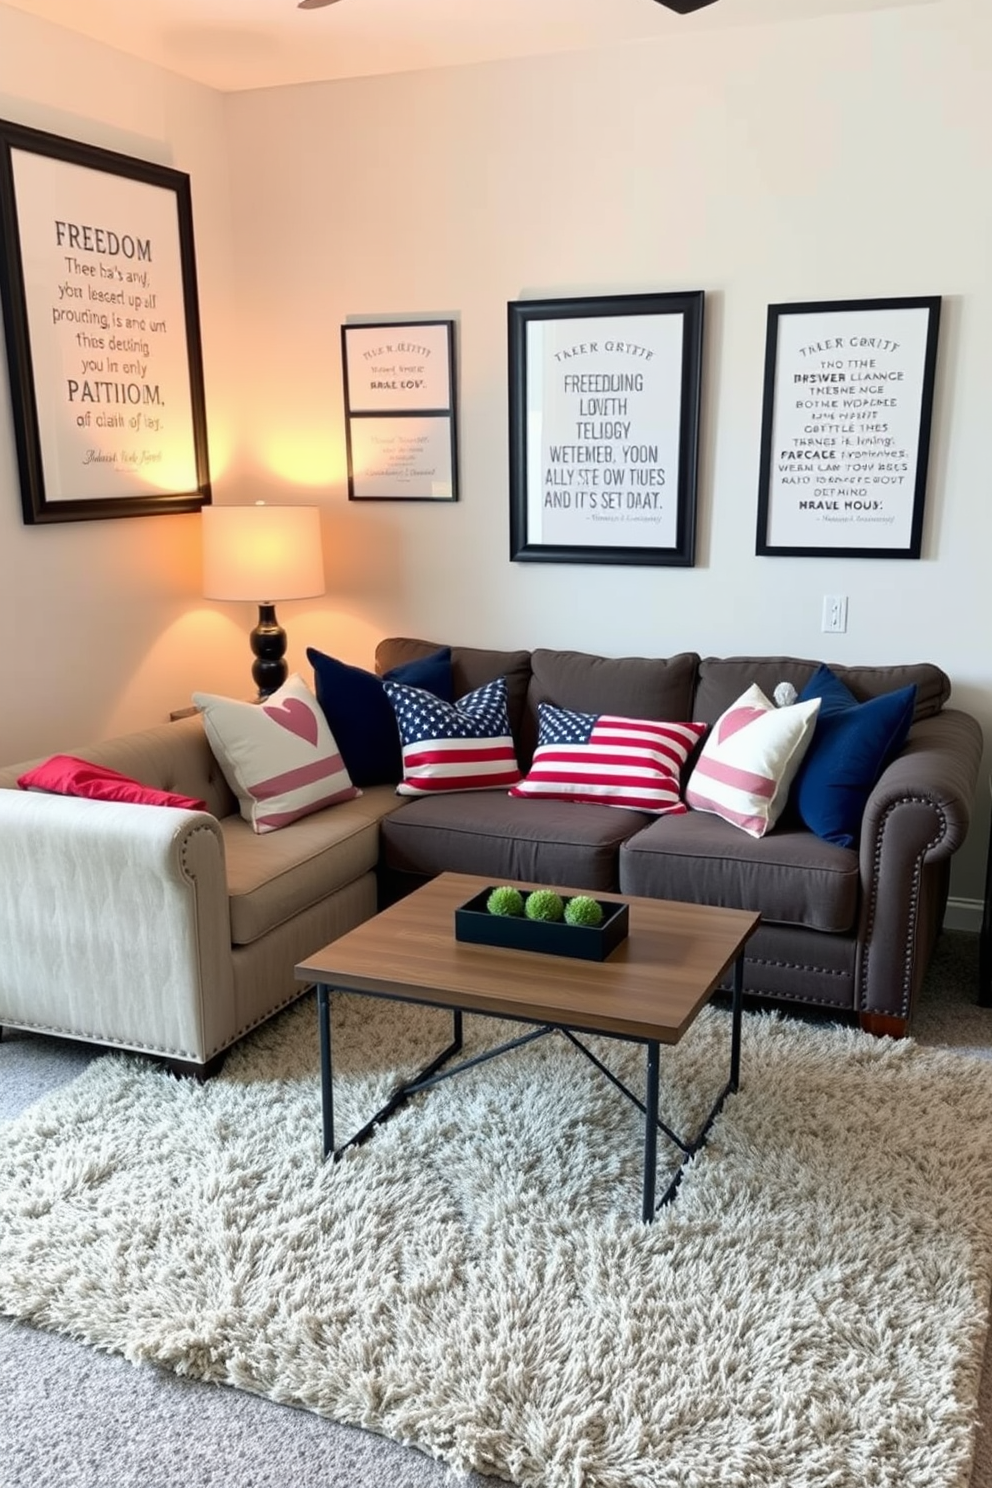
(609, 760)
(461, 746)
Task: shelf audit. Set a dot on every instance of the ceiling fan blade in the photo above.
(685, 7)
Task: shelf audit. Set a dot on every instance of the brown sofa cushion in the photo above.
(722, 679)
(790, 876)
(549, 842)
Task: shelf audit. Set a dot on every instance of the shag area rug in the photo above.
(475, 1280)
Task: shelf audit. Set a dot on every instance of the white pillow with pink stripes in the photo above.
(609, 760)
(750, 759)
(279, 756)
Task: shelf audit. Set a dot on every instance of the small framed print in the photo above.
(399, 389)
(98, 285)
(604, 428)
(845, 434)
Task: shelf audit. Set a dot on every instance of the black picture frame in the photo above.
(101, 321)
(845, 428)
(399, 403)
(618, 379)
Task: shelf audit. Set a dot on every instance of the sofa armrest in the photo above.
(115, 924)
(916, 818)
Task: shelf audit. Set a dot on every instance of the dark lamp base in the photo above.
(268, 643)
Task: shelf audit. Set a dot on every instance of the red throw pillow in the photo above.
(65, 775)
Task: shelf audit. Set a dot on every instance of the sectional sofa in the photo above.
(847, 929)
(176, 931)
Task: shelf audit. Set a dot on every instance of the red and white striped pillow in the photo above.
(459, 746)
(279, 757)
(609, 760)
(750, 760)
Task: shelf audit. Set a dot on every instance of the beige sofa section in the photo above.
(175, 932)
(166, 931)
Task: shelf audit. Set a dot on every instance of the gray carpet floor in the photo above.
(71, 1417)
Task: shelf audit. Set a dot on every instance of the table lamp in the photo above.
(263, 554)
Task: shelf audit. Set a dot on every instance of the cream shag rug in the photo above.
(475, 1281)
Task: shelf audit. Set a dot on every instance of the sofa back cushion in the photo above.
(169, 757)
(631, 686)
(721, 679)
(68, 775)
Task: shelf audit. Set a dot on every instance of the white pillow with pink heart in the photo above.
(750, 759)
(279, 757)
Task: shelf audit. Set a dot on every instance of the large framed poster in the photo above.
(845, 434)
(399, 399)
(98, 285)
(604, 428)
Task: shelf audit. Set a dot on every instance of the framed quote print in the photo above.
(604, 428)
(98, 286)
(399, 394)
(845, 434)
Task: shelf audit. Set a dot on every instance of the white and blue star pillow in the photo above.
(461, 746)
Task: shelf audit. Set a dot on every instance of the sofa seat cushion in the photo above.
(499, 837)
(790, 876)
(273, 877)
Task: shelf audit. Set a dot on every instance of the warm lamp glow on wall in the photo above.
(263, 554)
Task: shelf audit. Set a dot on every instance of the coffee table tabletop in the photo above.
(651, 987)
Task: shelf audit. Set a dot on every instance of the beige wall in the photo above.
(102, 620)
(839, 158)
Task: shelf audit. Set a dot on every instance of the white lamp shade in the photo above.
(262, 553)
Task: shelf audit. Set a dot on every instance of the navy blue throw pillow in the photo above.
(851, 746)
(360, 715)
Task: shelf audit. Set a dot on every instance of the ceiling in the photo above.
(237, 44)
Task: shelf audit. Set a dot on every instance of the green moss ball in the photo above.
(583, 911)
(544, 904)
(505, 901)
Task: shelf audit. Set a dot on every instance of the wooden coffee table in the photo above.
(648, 991)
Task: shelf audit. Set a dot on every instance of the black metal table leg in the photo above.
(435, 1073)
(402, 1093)
(985, 938)
(736, 1009)
(326, 1077)
(650, 1132)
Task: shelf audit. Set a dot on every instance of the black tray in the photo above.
(474, 923)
